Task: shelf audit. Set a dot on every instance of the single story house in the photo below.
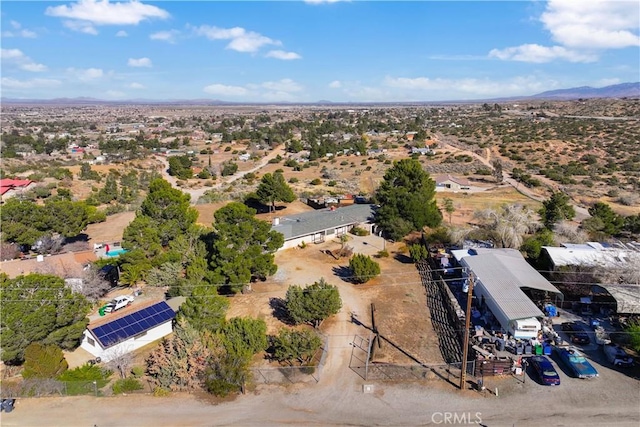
(500, 279)
(13, 187)
(117, 334)
(451, 183)
(315, 226)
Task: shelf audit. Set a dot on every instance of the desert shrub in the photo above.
(358, 231)
(137, 371)
(316, 181)
(383, 254)
(363, 268)
(293, 180)
(125, 385)
(43, 361)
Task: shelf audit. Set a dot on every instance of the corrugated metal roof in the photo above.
(627, 297)
(306, 223)
(502, 277)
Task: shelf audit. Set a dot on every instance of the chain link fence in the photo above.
(293, 374)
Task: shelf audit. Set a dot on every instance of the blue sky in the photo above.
(306, 51)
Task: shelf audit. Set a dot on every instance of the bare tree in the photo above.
(508, 224)
(120, 359)
(94, 285)
(568, 232)
(497, 170)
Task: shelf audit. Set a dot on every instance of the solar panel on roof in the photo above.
(133, 324)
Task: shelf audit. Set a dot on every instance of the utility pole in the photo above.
(465, 346)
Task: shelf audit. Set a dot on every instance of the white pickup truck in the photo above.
(117, 303)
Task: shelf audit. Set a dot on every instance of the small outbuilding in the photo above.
(111, 337)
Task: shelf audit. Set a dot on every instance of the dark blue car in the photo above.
(577, 363)
(545, 370)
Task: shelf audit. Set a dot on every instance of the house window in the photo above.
(140, 335)
(91, 341)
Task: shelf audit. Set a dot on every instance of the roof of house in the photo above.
(9, 184)
(306, 223)
(592, 254)
(443, 178)
(504, 277)
(134, 323)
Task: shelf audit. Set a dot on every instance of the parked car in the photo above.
(576, 334)
(577, 363)
(545, 370)
(7, 405)
(117, 303)
(617, 356)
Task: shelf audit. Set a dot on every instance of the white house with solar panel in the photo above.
(116, 335)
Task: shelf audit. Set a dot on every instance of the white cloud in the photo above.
(241, 40)
(336, 84)
(18, 31)
(593, 24)
(102, 12)
(85, 75)
(9, 83)
(540, 54)
(284, 85)
(16, 58)
(141, 62)
(81, 27)
(136, 85)
(122, 33)
(224, 90)
(582, 29)
(281, 54)
(165, 36)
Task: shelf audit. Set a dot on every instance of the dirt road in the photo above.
(196, 193)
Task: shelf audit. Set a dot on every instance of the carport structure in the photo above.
(500, 279)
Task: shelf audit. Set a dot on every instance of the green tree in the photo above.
(109, 192)
(449, 208)
(418, 252)
(23, 222)
(273, 188)
(604, 221)
(180, 166)
(314, 303)
(555, 209)
(43, 361)
(39, 308)
(205, 309)
(242, 246)
(407, 193)
(164, 215)
(363, 268)
(291, 345)
(532, 245)
(65, 217)
(244, 337)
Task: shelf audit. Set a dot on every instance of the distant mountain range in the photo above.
(622, 90)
